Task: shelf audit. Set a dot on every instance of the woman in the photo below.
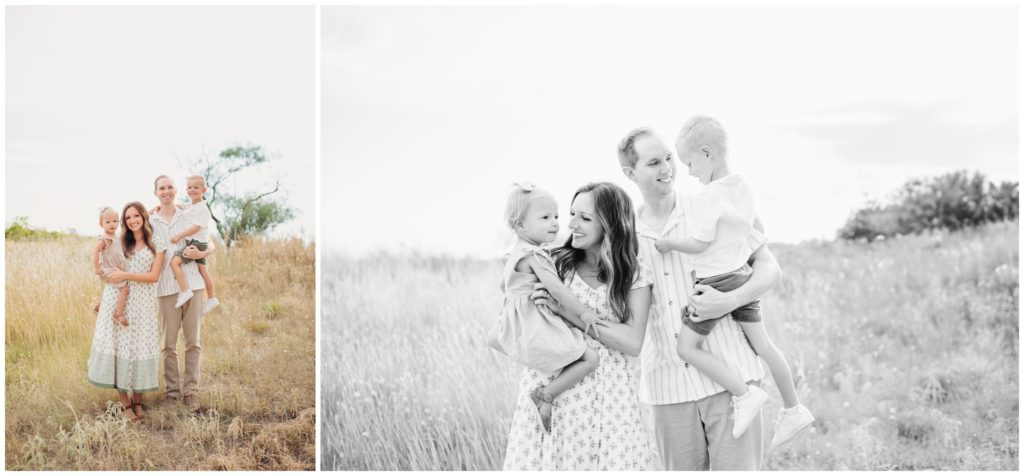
(127, 358)
(597, 424)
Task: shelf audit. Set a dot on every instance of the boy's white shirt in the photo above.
(199, 215)
(665, 378)
(723, 215)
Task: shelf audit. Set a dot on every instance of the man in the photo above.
(167, 222)
(691, 412)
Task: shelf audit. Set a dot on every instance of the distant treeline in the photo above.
(19, 230)
(950, 202)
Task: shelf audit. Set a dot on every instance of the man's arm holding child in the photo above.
(764, 276)
(191, 252)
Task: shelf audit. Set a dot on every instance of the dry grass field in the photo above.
(905, 350)
(257, 396)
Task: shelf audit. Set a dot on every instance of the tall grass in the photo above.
(905, 350)
(256, 401)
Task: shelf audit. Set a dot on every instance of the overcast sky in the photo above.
(101, 100)
(429, 113)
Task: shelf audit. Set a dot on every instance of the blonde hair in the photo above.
(104, 211)
(196, 177)
(518, 202)
(703, 131)
(627, 146)
(157, 181)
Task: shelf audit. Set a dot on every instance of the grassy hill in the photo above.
(906, 351)
(258, 367)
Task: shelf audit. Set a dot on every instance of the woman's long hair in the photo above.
(618, 265)
(128, 238)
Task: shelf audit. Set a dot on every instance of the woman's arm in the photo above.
(559, 291)
(151, 277)
(764, 276)
(626, 337)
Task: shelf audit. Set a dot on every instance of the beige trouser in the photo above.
(697, 436)
(187, 318)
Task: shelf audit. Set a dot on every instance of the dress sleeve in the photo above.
(546, 263)
(643, 275)
(158, 244)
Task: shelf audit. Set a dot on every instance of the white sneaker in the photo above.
(746, 408)
(211, 305)
(183, 297)
(791, 422)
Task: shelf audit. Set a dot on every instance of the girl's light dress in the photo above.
(597, 424)
(530, 335)
(128, 358)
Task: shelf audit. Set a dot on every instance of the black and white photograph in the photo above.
(669, 237)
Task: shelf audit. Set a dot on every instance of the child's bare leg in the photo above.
(122, 297)
(689, 350)
(573, 373)
(179, 273)
(207, 281)
(570, 375)
(765, 348)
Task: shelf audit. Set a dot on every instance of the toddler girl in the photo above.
(107, 256)
(531, 335)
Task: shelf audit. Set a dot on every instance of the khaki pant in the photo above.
(187, 318)
(697, 436)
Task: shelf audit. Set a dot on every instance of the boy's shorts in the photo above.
(750, 312)
(190, 242)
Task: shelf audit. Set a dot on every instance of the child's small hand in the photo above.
(691, 313)
(116, 276)
(98, 271)
(155, 210)
(592, 321)
(662, 245)
(175, 239)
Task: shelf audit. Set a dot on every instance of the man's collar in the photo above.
(674, 218)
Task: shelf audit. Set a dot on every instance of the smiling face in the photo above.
(655, 170)
(108, 221)
(540, 222)
(195, 188)
(697, 159)
(587, 231)
(133, 219)
(165, 190)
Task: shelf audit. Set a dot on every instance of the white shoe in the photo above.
(211, 305)
(746, 408)
(183, 297)
(791, 422)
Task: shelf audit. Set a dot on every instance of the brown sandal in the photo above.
(539, 398)
(122, 321)
(141, 417)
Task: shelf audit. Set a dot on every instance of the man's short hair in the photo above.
(155, 182)
(627, 146)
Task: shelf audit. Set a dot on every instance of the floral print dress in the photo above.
(596, 424)
(128, 358)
